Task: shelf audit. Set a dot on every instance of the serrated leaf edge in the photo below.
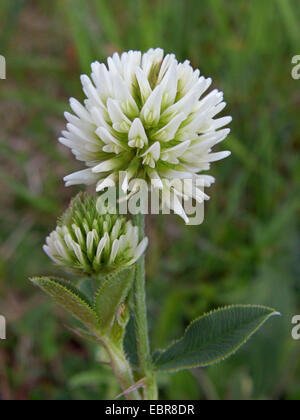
(220, 359)
(105, 281)
(74, 289)
(77, 295)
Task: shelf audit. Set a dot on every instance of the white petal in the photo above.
(166, 64)
(68, 241)
(91, 91)
(108, 138)
(139, 250)
(116, 230)
(102, 80)
(80, 110)
(178, 209)
(170, 200)
(90, 244)
(80, 135)
(99, 117)
(168, 132)
(191, 189)
(48, 251)
(217, 109)
(186, 104)
(123, 94)
(120, 122)
(214, 157)
(150, 112)
(68, 143)
(205, 180)
(100, 247)
(114, 64)
(81, 124)
(143, 83)
(210, 100)
(107, 165)
(221, 122)
(129, 174)
(207, 140)
(114, 251)
(85, 176)
(78, 234)
(151, 58)
(130, 64)
(108, 182)
(137, 136)
(78, 252)
(169, 84)
(122, 244)
(152, 154)
(173, 153)
(61, 250)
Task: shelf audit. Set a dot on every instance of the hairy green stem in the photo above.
(121, 368)
(141, 324)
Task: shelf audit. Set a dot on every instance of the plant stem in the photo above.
(121, 368)
(141, 324)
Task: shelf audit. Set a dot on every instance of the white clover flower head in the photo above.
(88, 243)
(147, 115)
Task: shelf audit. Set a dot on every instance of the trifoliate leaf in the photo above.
(213, 337)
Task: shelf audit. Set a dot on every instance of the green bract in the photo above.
(90, 243)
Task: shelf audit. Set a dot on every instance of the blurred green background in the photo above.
(247, 250)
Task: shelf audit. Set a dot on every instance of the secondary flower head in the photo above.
(89, 243)
(146, 115)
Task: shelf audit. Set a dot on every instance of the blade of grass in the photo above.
(291, 22)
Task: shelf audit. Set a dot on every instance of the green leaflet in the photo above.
(70, 298)
(130, 344)
(213, 337)
(111, 294)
